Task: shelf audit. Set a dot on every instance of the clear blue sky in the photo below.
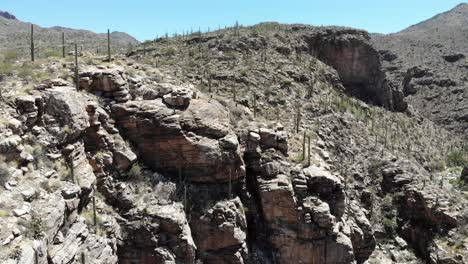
(145, 19)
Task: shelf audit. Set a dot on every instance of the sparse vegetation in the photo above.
(34, 228)
(457, 159)
(4, 171)
(135, 171)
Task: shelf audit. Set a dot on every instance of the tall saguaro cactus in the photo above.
(108, 46)
(32, 42)
(304, 145)
(77, 77)
(63, 44)
(94, 212)
(308, 150)
(255, 105)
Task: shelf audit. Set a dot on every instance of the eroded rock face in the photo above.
(301, 209)
(358, 64)
(220, 234)
(160, 235)
(110, 83)
(198, 140)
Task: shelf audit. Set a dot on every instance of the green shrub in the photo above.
(390, 225)
(135, 171)
(26, 72)
(10, 55)
(169, 51)
(6, 68)
(457, 159)
(387, 202)
(243, 72)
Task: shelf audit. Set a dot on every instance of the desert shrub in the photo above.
(40, 157)
(389, 224)
(169, 51)
(230, 55)
(52, 53)
(89, 217)
(436, 165)
(6, 68)
(387, 202)
(4, 213)
(63, 170)
(34, 227)
(26, 72)
(10, 55)
(457, 158)
(135, 171)
(51, 185)
(375, 165)
(243, 72)
(4, 173)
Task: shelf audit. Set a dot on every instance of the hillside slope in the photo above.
(429, 61)
(15, 35)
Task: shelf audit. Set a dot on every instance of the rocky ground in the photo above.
(267, 144)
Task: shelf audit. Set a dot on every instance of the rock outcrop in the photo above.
(350, 52)
(196, 143)
(220, 234)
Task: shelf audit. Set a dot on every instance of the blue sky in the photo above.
(145, 19)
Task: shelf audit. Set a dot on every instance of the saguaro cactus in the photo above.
(36, 257)
(32, 42)
(108, 46)
(63, 44)
(308, 150)
(209, 82)
(255, 105)
(230, 184)
(77, 76)
(298, 119)
(303, 145)
(94, 212)
(234, 94)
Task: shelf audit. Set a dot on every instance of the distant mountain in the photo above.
(7, 15)
(15, 34)
(429, 61)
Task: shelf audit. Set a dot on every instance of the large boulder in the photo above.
(108, 82)
(197, 142)
(64, 113)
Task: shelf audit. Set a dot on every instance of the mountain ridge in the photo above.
(428, 61)
(15, 35)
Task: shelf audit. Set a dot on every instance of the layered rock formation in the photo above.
(196, 143)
